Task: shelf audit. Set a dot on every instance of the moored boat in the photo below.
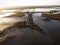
(52, 15)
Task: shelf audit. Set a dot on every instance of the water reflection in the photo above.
(51, 28)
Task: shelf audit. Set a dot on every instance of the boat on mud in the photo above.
(52, 15)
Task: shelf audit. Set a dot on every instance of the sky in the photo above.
(5, 3)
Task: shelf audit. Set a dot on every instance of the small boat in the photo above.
(14, 19)
(52, 15)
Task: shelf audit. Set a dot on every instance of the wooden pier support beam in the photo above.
(30, 18)
(31, 23)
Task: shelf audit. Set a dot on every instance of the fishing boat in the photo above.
(52, 15)
(9, 19)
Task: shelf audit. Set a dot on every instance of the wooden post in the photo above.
(31, 23)
(30, 18)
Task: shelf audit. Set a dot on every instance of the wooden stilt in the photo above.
(31, 23)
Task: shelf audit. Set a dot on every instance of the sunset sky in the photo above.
(4, 3)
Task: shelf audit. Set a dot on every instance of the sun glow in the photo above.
(4, 3)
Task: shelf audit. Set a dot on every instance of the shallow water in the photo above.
(27, 36)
